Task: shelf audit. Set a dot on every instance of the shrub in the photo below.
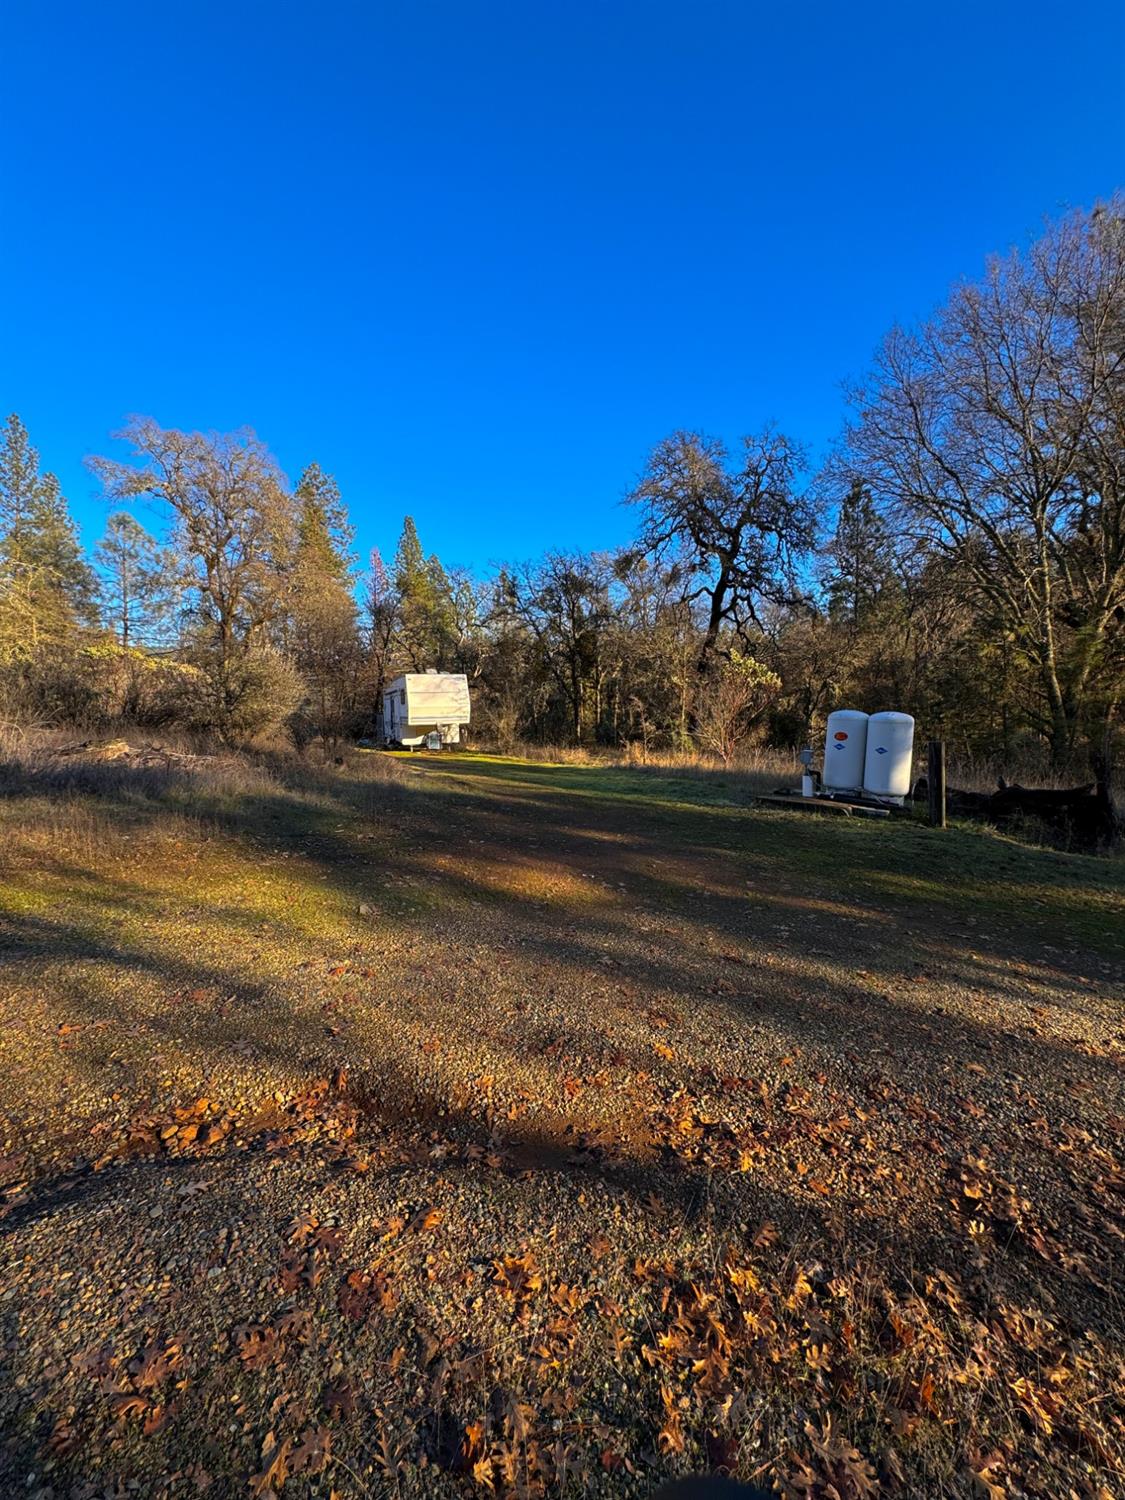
(734, 696)
(97, 683)
(248, 694)
(154, 691)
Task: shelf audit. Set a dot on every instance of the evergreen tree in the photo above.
(46, 588)
(324, 534)
(860, 557)
(443, 614)
(410, 561)
(324, 634)
(427, 612)
(19, 478)
(138, 582)
(52, 546)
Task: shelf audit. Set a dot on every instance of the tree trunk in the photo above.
(711, 635)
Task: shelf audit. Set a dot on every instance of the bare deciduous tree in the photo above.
(381, 617)
(996, 434)
(564, 602)
(733, 534)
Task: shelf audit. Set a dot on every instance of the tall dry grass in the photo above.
(58, 800)
(90, 800)
(751, 760)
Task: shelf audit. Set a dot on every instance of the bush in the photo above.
(736, 693)
(149, 690)
(248, 695)
(102, 683)
(97, 684)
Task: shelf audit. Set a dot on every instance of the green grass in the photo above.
(1068, 900)
(616, 784)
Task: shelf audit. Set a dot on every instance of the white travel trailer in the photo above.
(426, 708)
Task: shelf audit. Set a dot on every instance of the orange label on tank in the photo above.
(841, 734)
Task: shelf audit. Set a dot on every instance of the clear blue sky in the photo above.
(476, 258)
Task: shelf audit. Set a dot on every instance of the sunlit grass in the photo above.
(1070, 898)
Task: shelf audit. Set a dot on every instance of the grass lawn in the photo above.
(461, 1125)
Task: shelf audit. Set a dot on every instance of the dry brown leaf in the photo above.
(312, 1452)
(363, 1292)
(670, 1438)
(258, 1345)
(518, 1276)
(275, 1466)
(128, 1406)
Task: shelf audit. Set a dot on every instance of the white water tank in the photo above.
(890, 755)
(845, 743)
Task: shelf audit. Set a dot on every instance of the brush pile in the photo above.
(135, 755)
(1082, 817)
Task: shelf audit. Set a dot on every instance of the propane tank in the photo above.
(845, 744)
(890, 755)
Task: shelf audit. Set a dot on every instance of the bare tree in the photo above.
(733, 534)
(381, 612)
(564, 602)
(995, 433)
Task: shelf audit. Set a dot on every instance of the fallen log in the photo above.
(1045, 797)
(959, 802)
(1085, 816)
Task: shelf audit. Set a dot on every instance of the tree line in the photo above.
(960, 555)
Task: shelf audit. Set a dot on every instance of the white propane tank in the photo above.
(890, 755)
(845, 743)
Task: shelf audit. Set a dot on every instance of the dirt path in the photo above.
(516, 1129)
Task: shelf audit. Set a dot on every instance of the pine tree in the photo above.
(324, 634)
(138, 582)
(324, 534)
(19, 479)
(410, 562)
(52, 547)
(46, 588)
(419, 584)
(861, 557)
(443, 614)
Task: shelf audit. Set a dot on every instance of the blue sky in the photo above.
(477, 258)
